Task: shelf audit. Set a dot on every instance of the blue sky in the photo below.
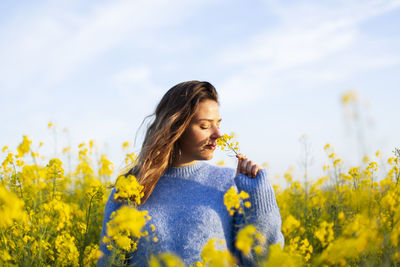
(280, 67)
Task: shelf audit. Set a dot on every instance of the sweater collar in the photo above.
(185, 171)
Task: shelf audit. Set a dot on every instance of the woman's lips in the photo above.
(211, 146)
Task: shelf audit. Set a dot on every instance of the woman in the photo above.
(184, 195)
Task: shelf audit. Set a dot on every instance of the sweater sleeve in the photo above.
(110, 207)
(263, 213)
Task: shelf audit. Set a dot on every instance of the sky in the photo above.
(97, 68)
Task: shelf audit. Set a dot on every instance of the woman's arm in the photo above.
(264, 212)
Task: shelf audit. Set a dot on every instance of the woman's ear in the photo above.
(177, 153)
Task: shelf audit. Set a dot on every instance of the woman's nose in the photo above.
(216, 134)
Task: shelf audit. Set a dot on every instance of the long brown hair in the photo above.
(172, 116)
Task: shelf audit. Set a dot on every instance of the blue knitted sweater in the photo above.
(187, 209)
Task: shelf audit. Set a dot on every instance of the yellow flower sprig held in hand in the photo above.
(225, 142)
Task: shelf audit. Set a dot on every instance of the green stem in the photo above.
(84, 238)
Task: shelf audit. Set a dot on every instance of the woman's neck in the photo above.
(182, 163)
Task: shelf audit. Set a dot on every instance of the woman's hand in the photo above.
(246, 166)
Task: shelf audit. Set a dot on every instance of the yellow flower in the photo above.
(24, 147)
(320, 181)
(249, 238)
(55, 169)
(198, 264)
(166, 259)
(225, 143)
(341, 216)
(9, 160)
(11, 208)
(129, 188)
(306, 249)
(325, 233)
(19, 162)
(66, 149)
(67, 252)
(337, 162)
(391, 160)
(373, 166)
(5, 256)
(125, 227)
(92, 254)
(296, 186)
(279, 257)
(126, 145)
(106, 166)
(92, 144)
(288, 177)
(327, 147)
(130, 158)
(365, 159)
(220, 163)
(60, 210)
(232, 199)
(212, 256)
(290, 224)
(350, 96)
(355, 172)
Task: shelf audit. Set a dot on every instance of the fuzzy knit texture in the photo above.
(187, 209)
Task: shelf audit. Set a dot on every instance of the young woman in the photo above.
(183, 194)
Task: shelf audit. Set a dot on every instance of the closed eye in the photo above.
(208, 123)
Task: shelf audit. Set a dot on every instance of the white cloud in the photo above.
(52, 44)
(312, 44)
(284, 49)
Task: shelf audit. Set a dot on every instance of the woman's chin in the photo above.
(209, 156)
(205, 155)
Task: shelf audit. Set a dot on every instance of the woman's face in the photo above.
(198, 142)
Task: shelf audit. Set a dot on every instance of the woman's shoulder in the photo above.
(112, 203)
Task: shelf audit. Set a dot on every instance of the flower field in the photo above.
(53, 217)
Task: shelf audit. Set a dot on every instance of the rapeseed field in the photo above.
(51, 217)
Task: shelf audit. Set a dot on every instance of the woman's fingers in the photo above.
(255, 169)
(249, 166)
(239, 168)
(246, 166)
